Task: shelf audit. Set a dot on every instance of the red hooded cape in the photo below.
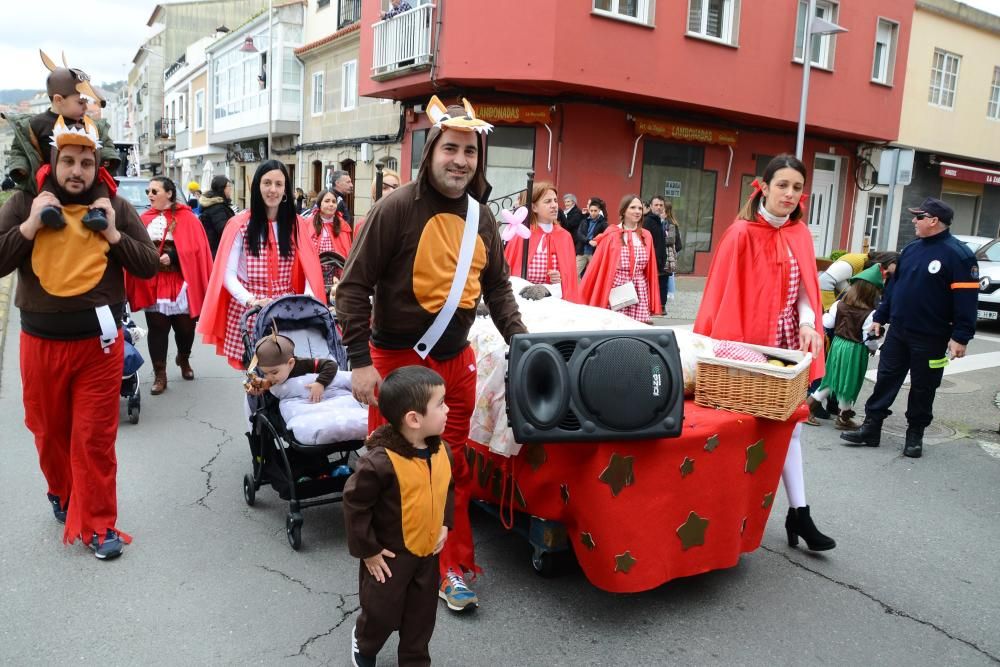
(599, 277)
(195, 258)
(212, 325)
(565, 250)
(748, 283)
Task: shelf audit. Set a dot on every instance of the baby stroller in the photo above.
(304, 475)
(133, 362)
(332, 264)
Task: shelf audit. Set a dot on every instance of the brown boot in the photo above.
(186, 371)
(159, 378)
(845, 423)
(812, 403)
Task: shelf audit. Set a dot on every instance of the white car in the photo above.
(989, 280)
(973, 242)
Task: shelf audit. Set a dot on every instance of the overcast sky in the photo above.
(98, 36)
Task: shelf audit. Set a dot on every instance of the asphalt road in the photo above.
(208, 580)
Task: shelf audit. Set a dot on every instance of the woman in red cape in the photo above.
(264, 253)
(173, 298)
(614, 264)
(556, 264)
(762, 288)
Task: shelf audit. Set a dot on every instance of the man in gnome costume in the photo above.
(427, 252)
(70, 292)
(69, 90)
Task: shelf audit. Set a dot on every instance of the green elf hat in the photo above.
(873, 275)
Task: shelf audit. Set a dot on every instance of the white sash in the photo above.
(109, 331)
(443, 319)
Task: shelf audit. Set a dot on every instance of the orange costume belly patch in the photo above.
(436, 259)
(72, 260)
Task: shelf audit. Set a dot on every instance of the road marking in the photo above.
(972, 362)
(991, 339)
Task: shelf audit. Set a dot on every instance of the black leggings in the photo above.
(159, 335)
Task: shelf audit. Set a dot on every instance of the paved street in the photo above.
(210, 581)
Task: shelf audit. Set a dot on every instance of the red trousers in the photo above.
(459, 376)
(71, 404)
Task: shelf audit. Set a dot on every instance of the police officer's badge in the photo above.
(934, 266)
(974, 271)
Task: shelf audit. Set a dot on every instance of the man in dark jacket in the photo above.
(653, 223)
(574, 216)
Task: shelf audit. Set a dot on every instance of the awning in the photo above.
(967, 172)
(515, 113)
(685, 132)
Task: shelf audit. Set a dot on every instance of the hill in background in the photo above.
(15, 95)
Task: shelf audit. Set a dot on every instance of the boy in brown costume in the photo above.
(399, 506)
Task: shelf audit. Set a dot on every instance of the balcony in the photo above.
(402, 44)
(163, 129)
(349, 13)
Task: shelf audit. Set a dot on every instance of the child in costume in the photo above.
(69, 90)
(275, 358)
(398, 507)
(847, 362)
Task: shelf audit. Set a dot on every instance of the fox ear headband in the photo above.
(453, 120)
(68, 80)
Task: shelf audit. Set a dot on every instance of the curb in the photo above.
(6, 296)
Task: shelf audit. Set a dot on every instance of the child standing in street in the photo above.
(398, 507)
(848, 359)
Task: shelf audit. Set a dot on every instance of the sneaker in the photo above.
(95, 220)
(456, 594)
(52, 217)
(112, 546)
(357, 659)
(57, 508)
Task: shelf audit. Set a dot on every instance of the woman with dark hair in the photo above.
(551, 254)
(216, 209)
(331, 233)
(762, 288)
(172, 299)
(622, 275)
(264, 253)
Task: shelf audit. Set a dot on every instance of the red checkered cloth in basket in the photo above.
(725, 349)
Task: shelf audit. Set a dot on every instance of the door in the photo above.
(964, 205)
(823, 203)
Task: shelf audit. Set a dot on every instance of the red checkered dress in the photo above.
(542, 262)
(323, 242)
(639, 311)
(260, 284)
(788, 319)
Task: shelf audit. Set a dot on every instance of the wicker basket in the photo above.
(761, 390)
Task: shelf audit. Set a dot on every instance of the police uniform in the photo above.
(932, 298)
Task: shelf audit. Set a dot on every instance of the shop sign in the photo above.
(514, 113)
(685, 132)
(239, 152)
(672, 189)
(971, 175)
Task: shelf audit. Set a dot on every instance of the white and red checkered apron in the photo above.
(323, 242)
(268, 277)
(788, 319)
(636, 272)
(543, 261)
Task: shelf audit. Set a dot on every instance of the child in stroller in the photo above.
(133, 333)
(306, 466)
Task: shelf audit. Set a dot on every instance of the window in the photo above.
(993, 108)
(392, 163)
(820, 46)
(320, 4)
(873, 220)
(714, 19)
(317, 93)
(884, 60)
(510, 154)
(349, 91)
(628, 10)
(944, 79)
(199, 110)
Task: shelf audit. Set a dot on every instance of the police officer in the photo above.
(930, 307)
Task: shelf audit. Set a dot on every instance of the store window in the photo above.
(510, 155)
(676, 172)
(417, 141)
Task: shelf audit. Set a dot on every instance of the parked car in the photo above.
(989, 280)
(134, 190)
(974, 242)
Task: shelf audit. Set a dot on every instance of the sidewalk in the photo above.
(6, 298)
(686, 301)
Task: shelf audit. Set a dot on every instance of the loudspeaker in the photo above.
(594, 385)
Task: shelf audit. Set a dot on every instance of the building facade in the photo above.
(683, 99)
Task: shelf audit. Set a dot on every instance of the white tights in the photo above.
(821, 395)
(791, 474)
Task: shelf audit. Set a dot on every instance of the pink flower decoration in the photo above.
(515, 224)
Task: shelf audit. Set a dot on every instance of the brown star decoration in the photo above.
(687, 467)
(768, 500)
(692, 531)
(564, 493)
(624, 562)
(712, 443)
(755, 456)
(588, 541)
(619, 473)
(534, 454)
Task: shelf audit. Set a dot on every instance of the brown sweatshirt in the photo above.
(72, 317)
(325, 369)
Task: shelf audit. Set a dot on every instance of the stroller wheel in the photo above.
(249, 489)
(133, 415)
(293, 530)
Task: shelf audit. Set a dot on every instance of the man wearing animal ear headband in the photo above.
(70, 90)
(70, 293)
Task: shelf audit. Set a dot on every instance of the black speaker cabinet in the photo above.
(594, 385)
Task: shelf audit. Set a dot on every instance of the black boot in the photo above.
(869, 435)
(798, 524)
(52, 217)
(831, 405)
(914, 447)
(95, 220)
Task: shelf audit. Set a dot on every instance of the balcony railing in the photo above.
(403, 42)
(350, 13)
(164, 128)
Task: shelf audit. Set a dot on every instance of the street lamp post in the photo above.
(813, 25)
